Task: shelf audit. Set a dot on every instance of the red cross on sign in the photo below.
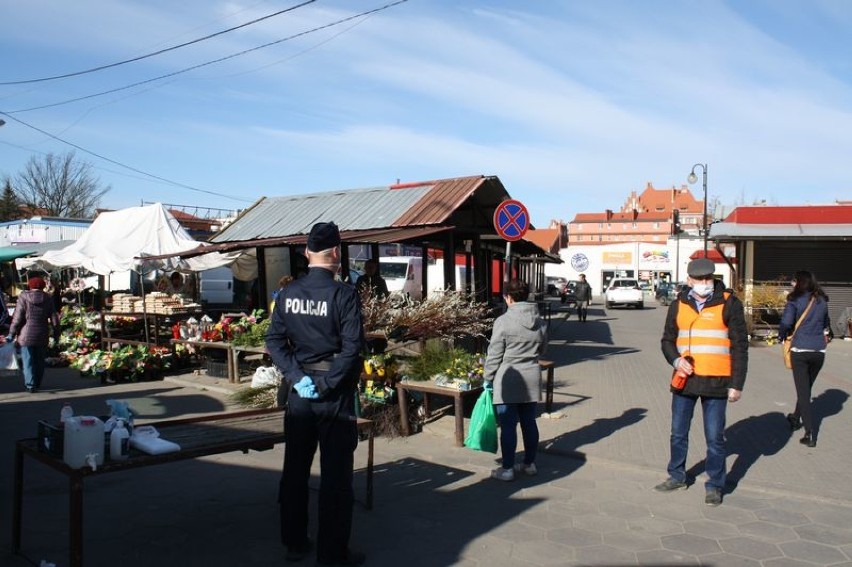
(511, 220)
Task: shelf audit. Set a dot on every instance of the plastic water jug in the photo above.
(84, 442)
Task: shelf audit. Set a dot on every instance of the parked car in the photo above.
(555, 285)
(667, 292)
(624, 291)
(568, 293)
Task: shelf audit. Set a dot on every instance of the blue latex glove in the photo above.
(306, 389)
(9, 339)
(488, 385)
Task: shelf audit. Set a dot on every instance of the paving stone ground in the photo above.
(592, 502)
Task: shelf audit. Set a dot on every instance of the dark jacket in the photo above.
(811, 333)
(317, 320)
(583, 291)
(33, 317)
(734, 318)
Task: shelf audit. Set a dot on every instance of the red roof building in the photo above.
(648, 217)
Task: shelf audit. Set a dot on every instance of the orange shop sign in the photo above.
(618, 257)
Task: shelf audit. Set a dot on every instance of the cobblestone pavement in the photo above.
(592, 502)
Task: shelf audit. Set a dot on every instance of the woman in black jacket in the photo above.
(808, 348)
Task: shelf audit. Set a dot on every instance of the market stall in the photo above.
(135, 240)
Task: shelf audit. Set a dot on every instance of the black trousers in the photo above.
(806, 367)
(330, 426)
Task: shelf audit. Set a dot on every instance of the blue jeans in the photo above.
(713, 410)
(32, 358)
(509, 415)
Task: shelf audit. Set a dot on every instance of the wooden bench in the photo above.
(198, 437)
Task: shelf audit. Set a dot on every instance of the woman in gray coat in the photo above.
(512, 371)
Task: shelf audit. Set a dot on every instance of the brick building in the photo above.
(649, 217)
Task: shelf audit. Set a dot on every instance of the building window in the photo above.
(635, 225)
(656, 225)
(600, 225)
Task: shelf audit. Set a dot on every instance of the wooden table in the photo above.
(235, 358)
(197, 437)
(230, 356)
(429, 387)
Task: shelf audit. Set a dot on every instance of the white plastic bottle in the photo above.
(65, 412)
(119, 442)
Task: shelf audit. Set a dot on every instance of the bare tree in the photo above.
(60, 186)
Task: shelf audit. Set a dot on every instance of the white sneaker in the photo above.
(503, 474)
(529, 469)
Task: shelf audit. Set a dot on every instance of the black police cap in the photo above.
(324, 235)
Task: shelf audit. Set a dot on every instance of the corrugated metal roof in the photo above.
(358, 209)
(379, 236)
(427, 203)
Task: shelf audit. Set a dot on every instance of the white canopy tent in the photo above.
(119, 241)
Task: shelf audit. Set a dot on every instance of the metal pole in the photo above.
(677, 257)
(704, 218)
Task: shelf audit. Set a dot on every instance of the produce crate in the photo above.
(216, 368)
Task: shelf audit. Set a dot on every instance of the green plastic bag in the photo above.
(483, 425)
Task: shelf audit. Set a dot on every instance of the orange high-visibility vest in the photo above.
(704, 336)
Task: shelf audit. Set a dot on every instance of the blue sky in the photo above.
(572, 104)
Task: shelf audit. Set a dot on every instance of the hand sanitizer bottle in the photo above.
(65, 412)
(119, 442)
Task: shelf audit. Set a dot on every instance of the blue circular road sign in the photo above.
(511, 220)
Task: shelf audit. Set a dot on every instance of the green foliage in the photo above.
(254, 334)
(438, 358)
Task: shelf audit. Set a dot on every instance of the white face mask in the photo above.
(702, 289)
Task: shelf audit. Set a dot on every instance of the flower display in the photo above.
(466, 367)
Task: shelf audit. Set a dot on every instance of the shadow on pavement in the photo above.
(568, 443)
(828, 403)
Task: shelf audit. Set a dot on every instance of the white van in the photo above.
(216, 285)
(403, 274)
(436, 276)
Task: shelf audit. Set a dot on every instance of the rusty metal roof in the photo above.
(402, 205)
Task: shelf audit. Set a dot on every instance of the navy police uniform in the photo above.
(316, 331)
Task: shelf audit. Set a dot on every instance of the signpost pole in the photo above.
(507, 273)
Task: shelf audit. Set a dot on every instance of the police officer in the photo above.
(316, 338)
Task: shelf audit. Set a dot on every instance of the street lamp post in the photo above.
(692, 179)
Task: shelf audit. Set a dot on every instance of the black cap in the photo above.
(702, 267)
(324, 235)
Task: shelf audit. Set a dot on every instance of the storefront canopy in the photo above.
(123, 240)
(9, 253)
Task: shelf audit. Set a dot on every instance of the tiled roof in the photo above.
(545, 238)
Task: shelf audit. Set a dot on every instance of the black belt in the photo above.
(321, 366)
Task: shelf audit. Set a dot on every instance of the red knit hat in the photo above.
(36, 283)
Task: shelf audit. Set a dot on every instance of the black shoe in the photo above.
(670, 485)
(299, 552)
(31, 390)
(809, 439)
(795, 422)
(352, 558)
(713, 497)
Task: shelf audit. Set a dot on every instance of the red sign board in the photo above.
(511, 220)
